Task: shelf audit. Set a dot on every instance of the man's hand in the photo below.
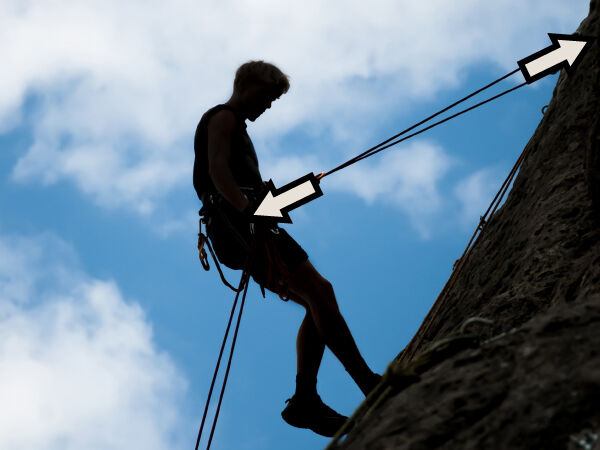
(250, 207)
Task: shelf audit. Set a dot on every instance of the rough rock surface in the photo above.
(536, 269)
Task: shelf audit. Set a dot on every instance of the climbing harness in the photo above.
(214, 209)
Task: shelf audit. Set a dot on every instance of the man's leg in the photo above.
(317, 294)
(309, 352)
(306, 409)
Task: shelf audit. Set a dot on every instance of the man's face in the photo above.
(258, 98)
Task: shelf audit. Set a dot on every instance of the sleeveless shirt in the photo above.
(243, 161)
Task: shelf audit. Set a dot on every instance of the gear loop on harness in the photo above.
(202, 240)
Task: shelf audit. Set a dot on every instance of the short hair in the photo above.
(262, 72)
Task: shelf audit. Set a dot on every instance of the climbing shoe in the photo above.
(312, 413)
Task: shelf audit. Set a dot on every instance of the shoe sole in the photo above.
(327, 429)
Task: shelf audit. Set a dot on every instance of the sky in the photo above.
(109, 327)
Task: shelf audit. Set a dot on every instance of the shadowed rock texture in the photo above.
(536, 269)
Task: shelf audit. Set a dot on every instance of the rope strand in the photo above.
(243, 285)
(381, 146)
(412, 347)
(235, 334)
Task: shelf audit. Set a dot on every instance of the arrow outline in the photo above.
(554, 37)
(286, 209)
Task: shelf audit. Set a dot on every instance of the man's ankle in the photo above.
(306, 386)
(366, 380)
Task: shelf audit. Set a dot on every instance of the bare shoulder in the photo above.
(223, 121)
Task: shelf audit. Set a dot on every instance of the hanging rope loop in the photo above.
(203, 240)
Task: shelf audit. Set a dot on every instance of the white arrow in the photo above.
(278, 202)
(568, 50)
(565, 51)
(272, 206)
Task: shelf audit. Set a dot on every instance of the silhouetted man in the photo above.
(227, 180)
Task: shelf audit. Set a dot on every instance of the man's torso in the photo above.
(243, 161)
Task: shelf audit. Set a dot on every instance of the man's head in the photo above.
(257, 84)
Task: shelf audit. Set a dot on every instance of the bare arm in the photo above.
(220, 130)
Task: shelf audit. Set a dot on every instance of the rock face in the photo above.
(536, 270)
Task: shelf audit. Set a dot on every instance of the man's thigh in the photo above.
(306, 282)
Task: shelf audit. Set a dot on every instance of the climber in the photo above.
(228, 182)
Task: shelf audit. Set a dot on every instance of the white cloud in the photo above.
(407, 178)
(180, 225)
(78, 366)
(120, 86)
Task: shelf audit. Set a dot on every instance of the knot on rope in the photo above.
(482, 223)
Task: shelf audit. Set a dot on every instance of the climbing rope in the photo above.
(416, 341)
(243, 285)
(382, 145)
(276, 271)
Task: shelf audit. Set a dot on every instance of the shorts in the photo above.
(231, 238)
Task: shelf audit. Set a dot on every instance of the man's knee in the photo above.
(325, 287)
(313, 287)
(326, 294)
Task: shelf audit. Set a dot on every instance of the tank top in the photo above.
(242, 162)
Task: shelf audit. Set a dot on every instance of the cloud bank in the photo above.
(117, 88)
(78, 366)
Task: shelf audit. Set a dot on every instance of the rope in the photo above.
(243, 285)
(381, 146)
(235, 334)
(410, 350)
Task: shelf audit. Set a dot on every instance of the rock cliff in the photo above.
(534, 270)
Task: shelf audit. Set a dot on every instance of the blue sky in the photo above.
(109, 327)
